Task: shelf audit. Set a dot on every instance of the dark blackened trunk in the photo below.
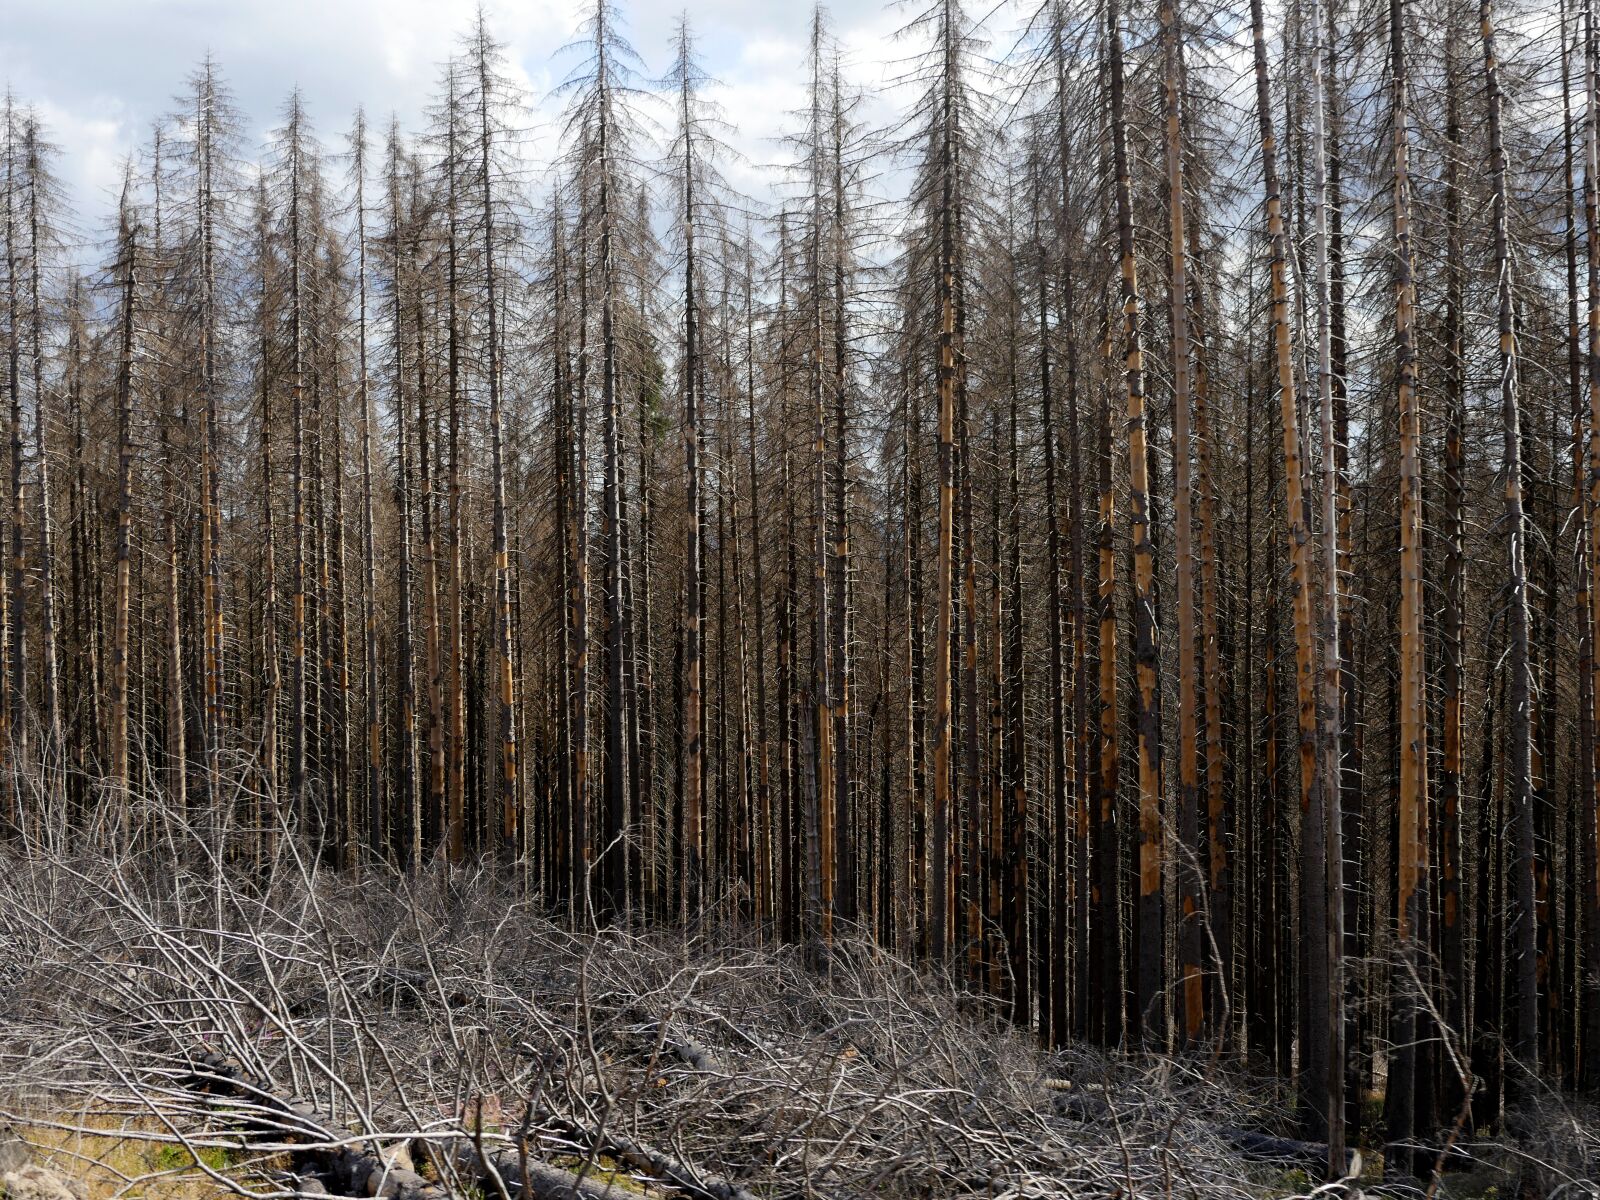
(128, 247)
(1452, 534)
(1525, 1019)
(1057, 884)
(1106, 927)
(1191, 933)
(505, 664)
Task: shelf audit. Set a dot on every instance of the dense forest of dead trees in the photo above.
(1127, 533)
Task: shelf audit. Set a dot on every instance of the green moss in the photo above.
(601, 1170)
(170, 1156)
(1290, 1183)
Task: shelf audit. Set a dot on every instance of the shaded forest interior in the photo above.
(1122, 528)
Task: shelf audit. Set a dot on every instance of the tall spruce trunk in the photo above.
(1216, 851)
(377, 830)
(214, 634)
(1191, 932)
(692, 866)
(941, 913)
(505, 664)
(1452, 732)
(297, 476)
(1329, 939)
(17, 593)
(1525, 1020)
(1584, 767)
(613, 874)
(1590, 806)
(1149, 993)
(128, 247)
(1412, 847)
(843, 851)
(408, 803)
(1314, 851)
(1105, 930)
(49, 670)
(1057, 883)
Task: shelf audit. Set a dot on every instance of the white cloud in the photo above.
(101, 71)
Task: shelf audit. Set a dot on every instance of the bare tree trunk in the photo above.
(614, 826)
(177, 773)
(1590, 806)
(1412, 848)
(1150, 992)
(436, 820)
(17, 599)
(1330, 737)
(52, 750)
(297, 511)
(1191, 934)
(692, 868)
(1584, 767)
(580, 839)
(1525, 1026)
(214, 632)
(1058, 882)
(839, 676)
(128, 246)
(1105, 929)
(448, 794)
(377, 825)
(265, 817)
(1014, 916)
(408, 802)
(941, 900)
(822, 797)
(1313, 804)
(510, 808)
(764, 890)
(1448, 793)
(1218, 868)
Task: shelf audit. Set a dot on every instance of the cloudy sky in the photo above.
(100, 72)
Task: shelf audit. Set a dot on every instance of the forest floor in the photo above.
(172, 1031)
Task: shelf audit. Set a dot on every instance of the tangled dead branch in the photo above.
(426, 1036)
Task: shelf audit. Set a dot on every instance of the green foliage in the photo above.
(171, 1156)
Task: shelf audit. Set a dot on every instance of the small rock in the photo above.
(14, 1152)
(395, 1157)
(398, 1156)
(34, 1182)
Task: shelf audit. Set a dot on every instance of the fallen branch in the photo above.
(679, 1176)
(541, 1181)
(352, 1166)
(1265, 1148)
